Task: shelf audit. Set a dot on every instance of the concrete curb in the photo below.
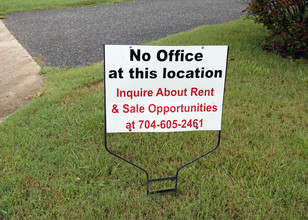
(19, 74)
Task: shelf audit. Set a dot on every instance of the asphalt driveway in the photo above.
(75, 37)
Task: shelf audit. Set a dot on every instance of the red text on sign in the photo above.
(168, 124)
(133, 109)
(134, 93)
(207, 92)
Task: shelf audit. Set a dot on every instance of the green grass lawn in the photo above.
(12, 6)
(53, 163)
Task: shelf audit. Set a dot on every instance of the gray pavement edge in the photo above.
(19, 74)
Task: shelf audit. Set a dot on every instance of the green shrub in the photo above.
(287, 22)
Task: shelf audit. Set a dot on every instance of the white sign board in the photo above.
(164, 88)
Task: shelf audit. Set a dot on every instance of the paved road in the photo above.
(76, 36)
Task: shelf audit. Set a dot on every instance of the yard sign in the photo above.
(164, 89)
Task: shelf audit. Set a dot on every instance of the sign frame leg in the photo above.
(173, 178)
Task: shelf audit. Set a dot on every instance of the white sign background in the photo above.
(119, 57)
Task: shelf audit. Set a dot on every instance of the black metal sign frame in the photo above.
(172, 178)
